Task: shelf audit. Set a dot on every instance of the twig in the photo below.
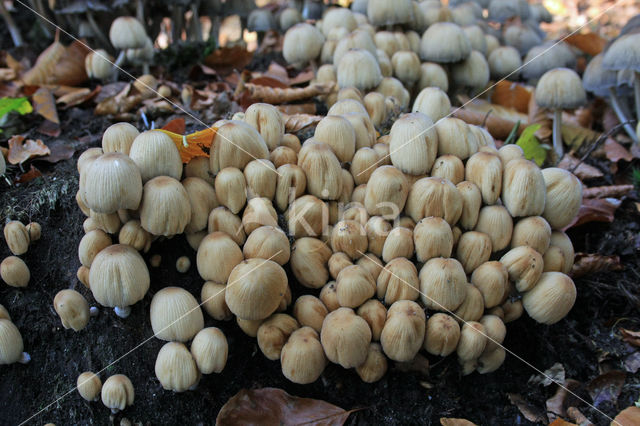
(13, 29)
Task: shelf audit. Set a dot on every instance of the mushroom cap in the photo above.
(551, 299)
(338, 17)
(89, 385)
(413, 143)
(358, 68)
(503, 10)
(345, 338)
(623, 53)
(433, 75)
(127, 32)
(522, 37)
(444, 42)
(175, 315)
(118, 276)
(302, 43)
(72, 308)
(99, 64)
(117, 392)
(235, 145)
(209, 348)
(11, 345)
(545, 57)
(118, 137)
(113, 182)
(560, 88)
(505, 62)
(175, 367)
(384, 12)
(288, 18)
(404, 331)
(15, 272)
(165, 208)
(358, 39)
(472, 72)
(261, 20)
(302, 357)
(155, 154)
(443, 284)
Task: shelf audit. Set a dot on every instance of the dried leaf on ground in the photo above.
(276, 95)
(60, 150)
(296, 122)
(582, 171)
(561, 422)
(531, 413)
(631, 337)
(278, 72)
(268, 81)
(606, 387)
(630, 416)
(616, 152)
(556, 405)
(77, 97)
(595, 210)
(589, 43)
(512, 95)
(20, 150)
(7, 74)
(28, 176)
(615, 191)
(45, 105)
(49, 128)
(577, 136)
(591, 263)
(276, 407)
(497, 126)
(227, 59)
(448, 421)
(554, 374)
(177, 125)
(304, 76)
(577, 416)
(632, 362)
(59, 65)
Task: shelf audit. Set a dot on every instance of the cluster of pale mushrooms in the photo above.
(350, 248)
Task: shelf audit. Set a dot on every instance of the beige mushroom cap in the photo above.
(117, 392)
(444, 42)
(11, 345)
(165, 208)
(175, 367)
(560, 88)
(127, 32)
(72, 308)
(175, 315)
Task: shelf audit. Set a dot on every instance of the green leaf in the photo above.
(20, 105)
(533, 149)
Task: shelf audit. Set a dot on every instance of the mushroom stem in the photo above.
(13, 29)
(617, 108)
(196, 29)
(24, 358)
(636, 92)
(140, 13)
(122, 312)
(557, 133)
(145, 68)
(117, 63)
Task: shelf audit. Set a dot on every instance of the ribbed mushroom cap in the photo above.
(545, 57)
(473, 72)
(358, 68)
(623, 53)
(503, 10)
(175, 315)
(261, 20)
(505, 61)
(444, 42)
(302, 43)
(522, 37)
(560, 88)
(384, 12)
(11, 345)
(127, 32)
(175, 367)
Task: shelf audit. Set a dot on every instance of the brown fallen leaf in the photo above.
(58, 64)
(556, 404)
(44, 65)
(615, 191)
(77, 97)
(631, 337)
(304, 76)
(577, 416)
(561, 422)
(29, 176)
(60, 150)
(177, 125)
(580, 169)
(7, 74)
(595, 210)
(512, 95)
(577, 136)
(630, 416)
(268, 81)
(531, 413)
(20, 150)
(448, 421)
(296, 122)
(276, 95)
(606, 387)
(273, 406)
(49, 128)
(589, 43)
(591, 263)
(45, 105)
(227, 59)
(554, 374)
(616, 152)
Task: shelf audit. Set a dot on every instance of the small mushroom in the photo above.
(155, 154)
(175, 368)
(72, 308)
(375, 314)
(524, 265)
(89, 386)
(310, 311)
(345, 338)
(17, 237)
(274, 332)
(15, 272)
(165, 208)
(175, 315)
(126, 32)
(404, 331)
(309, 257)
(473, 341)
(551, 299)
(375, 365)
(442, 334)
(209, 349)
(302, 356)
(11, 345)
(442, 284)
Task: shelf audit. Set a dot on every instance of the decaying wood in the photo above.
(615, 191)
(276, 95)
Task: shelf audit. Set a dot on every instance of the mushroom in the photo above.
(492, 280)
(302, 356)
(309, 257)
(472, 307)
(523, 188)
(89, 386)
(505, 62)
(473, 340)
(496, 222)
(434, 197)
(399, 243)
(119, 278)
(258, 212)
(155, 154)
(339, 134)
(91, 244)
(471, 203)
(209, 349)
(442, 284)
(302, 44)
(165, 208)
(485, 170)
(354, 286)
(15, 272)
(175, 368)
(533, 231)
(72, 308)
(432, 237)
(444, 42)
(99, 64)
(274, 332)
(134, 235)
(175, 315)
(268, 242)
(472, 73)
(118, 138)
(17, 237)
(473, 249)
(126, 32)
(623, 54)
(404, 331)
(559, 89)
(375, 314)
(433, 102)
(563, 197)
(524, 265)
(551, 299)
(112, 182)
(455, 138)
(4, 314)
(322, 170)
(310, 312)
(358, 68)
(413, 144)
(545, 57)
(345, 338)
(261, 21)
(11, 345)
(442, 334)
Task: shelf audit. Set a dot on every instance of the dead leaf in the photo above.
(267, 81)
(59, 65)
(77, 97)
(277, 71)
(29, 176)
(560, 422)
(309, 108)
(606, 387)
(49, 128)
(554, 374)
(60, 150)
(177, 125)
(304, 76)
(277, 95)
(591, 263)
(194, 144)
(448, 421)
(273, 406)
(631, 337)
(227, 59)
(615, 191)
(44, 104)
(44, 65)
(556, 404)
(577, 136)
(7, 74)
(582, 171)
(632, 362)
(616, 152)
(296, 122)
(530, 412)
(630, 416)
(498, 127)
(21, 150)
(512, 95)
(110, 90)
(577, 416)
(589, 43)
(595, 210)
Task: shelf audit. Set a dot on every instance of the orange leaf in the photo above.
(628, 417)
(512, 95)
(176, 125)
(560, 422)
(191, 146)
(45, 105)
(21, 150)
(589, 43)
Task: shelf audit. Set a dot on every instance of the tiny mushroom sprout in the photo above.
(89, 386)
(126, 32)
(117, 393)
(99, 64)
(558, 89)
(119, 278)
(624, 53)
(11, 346)
(17, 237)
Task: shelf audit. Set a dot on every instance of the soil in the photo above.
(585, 343)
